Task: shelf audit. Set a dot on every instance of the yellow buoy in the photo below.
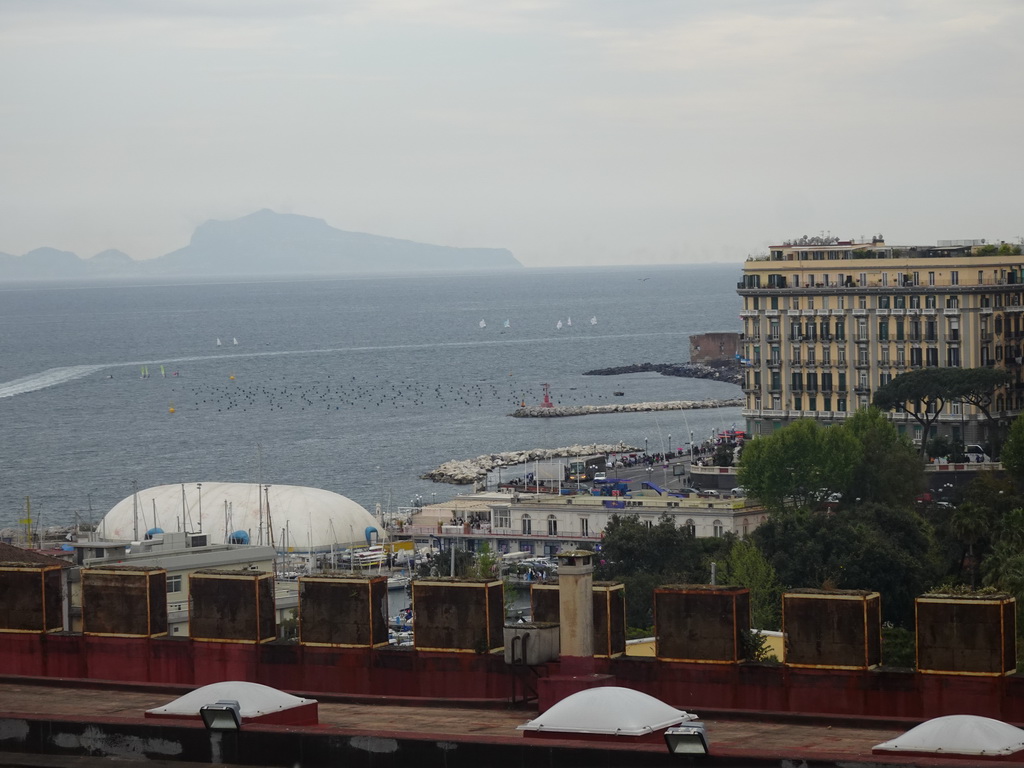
(232, 377)
(171, 409)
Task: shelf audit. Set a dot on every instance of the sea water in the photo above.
(357, 385)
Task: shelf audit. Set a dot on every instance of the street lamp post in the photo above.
(691, 450)
(199, 487)
(670, 451)
(645, 446)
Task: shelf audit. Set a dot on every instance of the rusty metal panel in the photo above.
(343, 611)
(701, 623)
(609, 613)
(465, 615)
(610, 630)
(232, 606)
(31, 598)
(966, 635)
(117, 601)
(544, 602)
(832, 629)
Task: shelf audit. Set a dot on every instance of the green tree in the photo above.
(644, 557)
(1012, 454)
(867, 546)
(977, 387)
(922, 394)
(747, 567)
(888, 469)
(799, 465)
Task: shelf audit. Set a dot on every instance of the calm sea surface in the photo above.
(356, 385)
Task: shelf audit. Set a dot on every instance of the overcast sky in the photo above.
(570, 132)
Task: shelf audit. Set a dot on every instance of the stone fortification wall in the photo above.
(714, 347)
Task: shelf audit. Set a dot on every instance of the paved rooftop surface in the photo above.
(757, 737)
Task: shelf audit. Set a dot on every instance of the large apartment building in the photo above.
(826, 322)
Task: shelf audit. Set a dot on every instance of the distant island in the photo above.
(262, 244)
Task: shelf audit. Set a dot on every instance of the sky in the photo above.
(572, 132)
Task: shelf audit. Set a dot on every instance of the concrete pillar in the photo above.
(576, 610)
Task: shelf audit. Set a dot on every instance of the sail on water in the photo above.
(483, 324)
(507, 324)
(593, 320)
(558, 325)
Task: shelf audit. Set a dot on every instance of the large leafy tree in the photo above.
(888, 469)
(644, 557)
(922, 394)
(799, 465)
(1012, 454)
(868, 546)
(977, 387)
(747, 567)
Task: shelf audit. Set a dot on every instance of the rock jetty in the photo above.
(537, 411)
(728, 371)
(466, 471)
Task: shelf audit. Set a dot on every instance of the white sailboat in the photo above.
(218, 342)
(569, 322)
(507, 324)
(593, 320)
(483, 324)
(559, 325)
(234, 341)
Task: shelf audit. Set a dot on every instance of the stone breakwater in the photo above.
(466, 471)
(728, 371)
(536, 411)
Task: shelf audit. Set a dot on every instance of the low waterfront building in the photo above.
(543, 524)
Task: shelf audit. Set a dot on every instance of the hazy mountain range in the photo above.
(262, 243)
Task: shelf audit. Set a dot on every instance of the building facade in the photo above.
(827, 322)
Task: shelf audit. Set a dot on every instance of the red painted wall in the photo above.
(411, 673)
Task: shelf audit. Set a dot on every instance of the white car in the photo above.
(600, 476)
(739, 491)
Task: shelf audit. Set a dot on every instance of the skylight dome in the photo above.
(958, 735)
(609, 710)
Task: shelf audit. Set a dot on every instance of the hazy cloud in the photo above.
(570, 132)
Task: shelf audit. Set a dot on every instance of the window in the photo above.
(810, 299)
(900, 334)
(842, 356)
(862, 279)
(690, 527)
(840, 330)
(842, 381)
(862, 302)
(931, 278)
(883, 330)
(810, 355)
(915, 357)
(862, 356)
(915, 302)
(826, 356)
(527, 524)
(552, 525)
(885, 355)
(954, 278)
(900, 302)
(929, 301)
(862, 329)
(884, 378)
(883, 302)
(718, 529)
(952, 302)
(584, 526)
(174, 583)
(502, 517)
(953, 357)
(775, 302)
(917, 278)
(901, 356)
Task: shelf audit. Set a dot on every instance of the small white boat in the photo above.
(234, 341)
(363, 558)
(508, 324)
(398, 582)
(593, 320)
(559, 325)
(218, 342)
(483, 324)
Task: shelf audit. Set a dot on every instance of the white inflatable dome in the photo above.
(303, 518)
(958, 735)
(610, 710)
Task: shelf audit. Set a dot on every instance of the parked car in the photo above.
(600, 476)
(976, 454)
(689, 490)
(739, 491)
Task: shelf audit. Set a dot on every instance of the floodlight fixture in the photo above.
(224, 715)
(689, 739)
